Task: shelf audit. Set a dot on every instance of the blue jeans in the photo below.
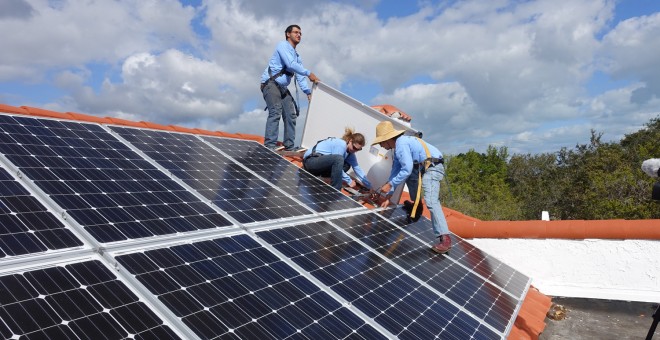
(279, 107)
(327, 166)
(431, 186)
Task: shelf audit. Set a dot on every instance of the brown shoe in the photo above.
(443, 245)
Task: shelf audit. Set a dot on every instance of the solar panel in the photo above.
(26, 226)
(484, 296)
(106, 187)
(231, 187)
(78, 300)
(467, 255)
(233, 286)
(300, 184)
(398, 301)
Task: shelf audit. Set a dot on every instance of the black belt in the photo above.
(433, 160)
(436, 161)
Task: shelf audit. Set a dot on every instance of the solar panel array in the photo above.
(115, 232)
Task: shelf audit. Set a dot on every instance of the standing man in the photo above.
(282, 66)
(332, 157)
(413, 160)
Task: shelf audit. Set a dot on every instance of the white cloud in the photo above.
(73, 33)
(158, 88)
(472, 73)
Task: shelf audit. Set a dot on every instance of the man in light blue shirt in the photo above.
(284, 64)
(412, 157)
(332, 157)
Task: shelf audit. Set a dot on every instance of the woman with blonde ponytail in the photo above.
(333, 157)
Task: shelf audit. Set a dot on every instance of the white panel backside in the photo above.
(331, 111)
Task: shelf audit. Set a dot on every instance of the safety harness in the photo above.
(286, 90)
(313, 153)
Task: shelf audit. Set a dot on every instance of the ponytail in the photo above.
(356, 137)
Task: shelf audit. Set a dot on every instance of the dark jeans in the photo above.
(328, 166)
(279, 107)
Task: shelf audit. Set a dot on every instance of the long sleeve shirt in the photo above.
(408, 151)
(337, 146)
(286, 57)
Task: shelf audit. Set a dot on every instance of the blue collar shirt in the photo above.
(286, 57)
(408, 151)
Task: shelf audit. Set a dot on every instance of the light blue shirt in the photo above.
(407, 151)
(285, 56)
(337, 146)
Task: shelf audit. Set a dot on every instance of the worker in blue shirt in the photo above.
(284, 64)
(332, 157)
(414, 159)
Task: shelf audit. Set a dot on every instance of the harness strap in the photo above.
(278, 74)
(282, 93)
(427, 163)
(313, 153)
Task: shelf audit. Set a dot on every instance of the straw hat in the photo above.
(384, 131)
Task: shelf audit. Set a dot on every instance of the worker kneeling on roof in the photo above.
(420, 165)
(333, 157)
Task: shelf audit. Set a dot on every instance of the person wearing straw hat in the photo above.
(420, 166)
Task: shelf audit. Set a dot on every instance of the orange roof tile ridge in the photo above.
(12, 109)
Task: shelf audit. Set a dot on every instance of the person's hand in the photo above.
(313, 78)
(385, 189)
(309, 97)
(352, 184)
(385, 203)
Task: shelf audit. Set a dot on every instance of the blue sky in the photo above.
(534, 76)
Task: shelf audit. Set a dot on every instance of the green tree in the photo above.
(479, 187)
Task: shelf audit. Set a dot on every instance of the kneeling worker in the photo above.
(332, 157)
(413, 159)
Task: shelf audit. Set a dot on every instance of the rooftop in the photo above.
(531, 321)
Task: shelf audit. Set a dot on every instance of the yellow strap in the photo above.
(419, 179)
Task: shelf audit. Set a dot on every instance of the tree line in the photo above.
(591, 181)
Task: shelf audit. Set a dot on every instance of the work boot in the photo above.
(443, 245)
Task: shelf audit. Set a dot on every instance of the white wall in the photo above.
(605, 269)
